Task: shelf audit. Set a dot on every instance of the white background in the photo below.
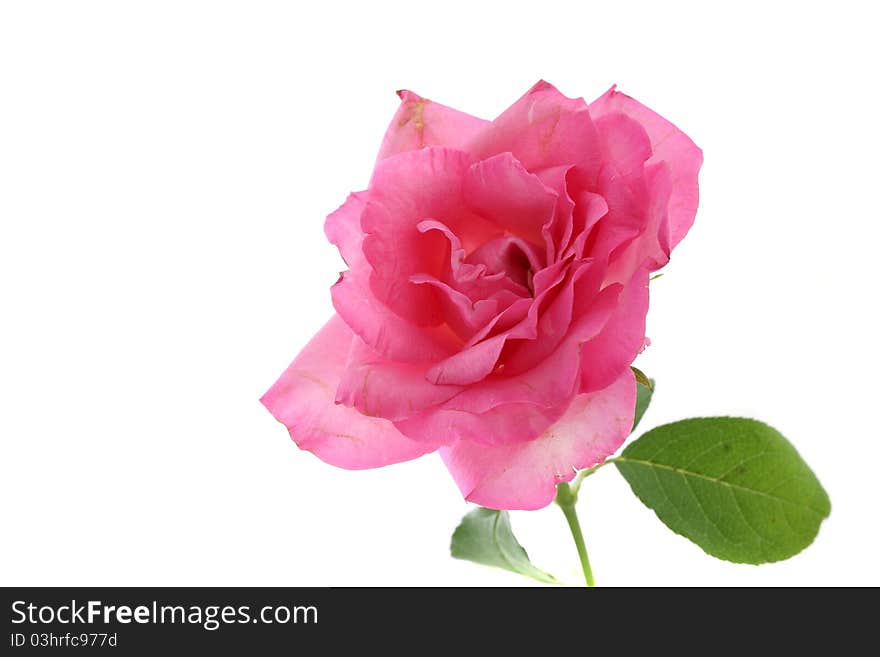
(165, 169)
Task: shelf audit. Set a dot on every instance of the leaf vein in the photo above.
(697, 475)
(711, 520)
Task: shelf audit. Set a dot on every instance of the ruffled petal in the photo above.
(552, 380)
(589, 210)
(651, 247)
(525, 475)
(385, 331)
(670, 145)
(624, 220)
(463, 315)
(404, 191)
(547, 313)
(303, 400)
(487, 269)
(556, 315)
(539, 396)
(420, 122)
(500, 189)
(375, 323)
(558, 232)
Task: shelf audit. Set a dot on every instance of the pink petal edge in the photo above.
(420, 122)
(303, 400)
(524, 476)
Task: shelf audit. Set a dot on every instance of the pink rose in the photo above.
(496, 292)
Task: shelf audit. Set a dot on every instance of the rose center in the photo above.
(510, 256)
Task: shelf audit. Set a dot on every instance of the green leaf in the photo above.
(485, 536)
(643, 399)
(733, 486)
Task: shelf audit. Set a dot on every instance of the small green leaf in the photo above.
(733, 486)
(643, 399)
(485, 536)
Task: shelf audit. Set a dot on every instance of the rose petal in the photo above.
(420, 122)
(375, 323)
(552, 380)
(558, 232)
(651, 247)
(513, 257)
(547, 389)
(302, 400)
(475, 275)
(625, 219)
(388, 333)
(479, 358)
(625, 144)
(670, 145)
(506, 424)
(463, 315)
(613, 350)
(343, 229)
(469, 366)
(555, 317)
(521, 314)
(404, 191)
(393, 390)
(525, 475)
(589, 210)
(543, 129)
(501, 190)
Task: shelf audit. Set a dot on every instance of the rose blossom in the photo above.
(496, 292)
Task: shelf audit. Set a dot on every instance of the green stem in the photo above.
(566, 499)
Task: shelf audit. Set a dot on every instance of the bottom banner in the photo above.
(133, 621)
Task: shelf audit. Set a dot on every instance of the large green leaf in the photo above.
(733, 486)
(485, 536)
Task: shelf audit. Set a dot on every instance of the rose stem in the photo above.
(566, 501)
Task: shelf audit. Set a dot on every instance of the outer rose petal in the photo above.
(513, 423)
(621, 340)
(302, 400)
(343, 229)
(524, 475)
(543, 129)
(670, 145)
(420, 122)
(625, 144)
